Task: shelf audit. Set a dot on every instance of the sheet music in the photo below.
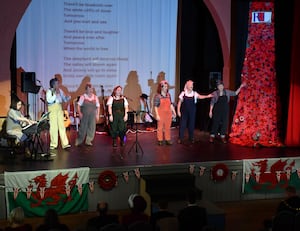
(44, 117)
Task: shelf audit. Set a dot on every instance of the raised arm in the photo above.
(204, 96)
(239, 89)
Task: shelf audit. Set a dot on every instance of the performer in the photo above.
(164, 111)
(146, 116)
(117, 114)
(186, 110)
(153, 88)
(55, 97)
(88, 108)
(219, 111)
(15, 121)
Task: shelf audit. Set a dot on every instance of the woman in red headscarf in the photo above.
(164, 111)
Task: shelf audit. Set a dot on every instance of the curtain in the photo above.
(293, 124)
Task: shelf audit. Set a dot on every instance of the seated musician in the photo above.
(146, 116)
(15, 121)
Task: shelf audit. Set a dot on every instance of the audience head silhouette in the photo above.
(16, 216)
(51, 217)
(290, 191)
(139, 204)
(192, 195)
(102, 207)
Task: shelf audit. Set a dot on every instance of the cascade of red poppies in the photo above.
(255, 119)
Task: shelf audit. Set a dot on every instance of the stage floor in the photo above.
(145, 152)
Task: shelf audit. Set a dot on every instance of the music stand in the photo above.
(136, 143)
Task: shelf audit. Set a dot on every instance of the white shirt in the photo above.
(111, 98)
(56, 97)
(88, 98)
(189, 94)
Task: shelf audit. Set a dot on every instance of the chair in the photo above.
(297, 221)
(209, 228)
(284, 220)
(113, 227)
(140, 225)
(168, 224)
(8, 142)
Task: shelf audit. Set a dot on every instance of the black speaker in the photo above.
(28, 82)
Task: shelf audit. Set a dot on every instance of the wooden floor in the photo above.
(141, 149)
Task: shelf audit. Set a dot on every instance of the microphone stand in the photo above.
(44, 102)
(45, 154)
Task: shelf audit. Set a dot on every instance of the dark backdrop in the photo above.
(201, 51)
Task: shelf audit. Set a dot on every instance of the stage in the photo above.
(143, 153)
(167, 167)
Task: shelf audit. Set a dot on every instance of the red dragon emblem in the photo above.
(268, 176)
(54, 193)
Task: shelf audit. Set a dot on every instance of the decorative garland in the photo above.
(107, 179)
(297, 209)
(219, 172)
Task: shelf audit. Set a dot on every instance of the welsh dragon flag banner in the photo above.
(270, 175)
(65, 191)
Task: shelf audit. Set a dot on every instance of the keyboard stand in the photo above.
(36, 142)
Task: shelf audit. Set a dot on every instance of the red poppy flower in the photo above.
(107, 180)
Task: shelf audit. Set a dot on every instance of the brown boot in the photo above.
(160, 143)
(114, 143)
(169, 142)
(27, 153)
(223, 139)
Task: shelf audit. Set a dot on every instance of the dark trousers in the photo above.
(118, 126)
(219, 123)
(187, 120)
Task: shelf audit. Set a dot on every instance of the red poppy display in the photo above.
(219, 172)
(107, 180)
(256, 115)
